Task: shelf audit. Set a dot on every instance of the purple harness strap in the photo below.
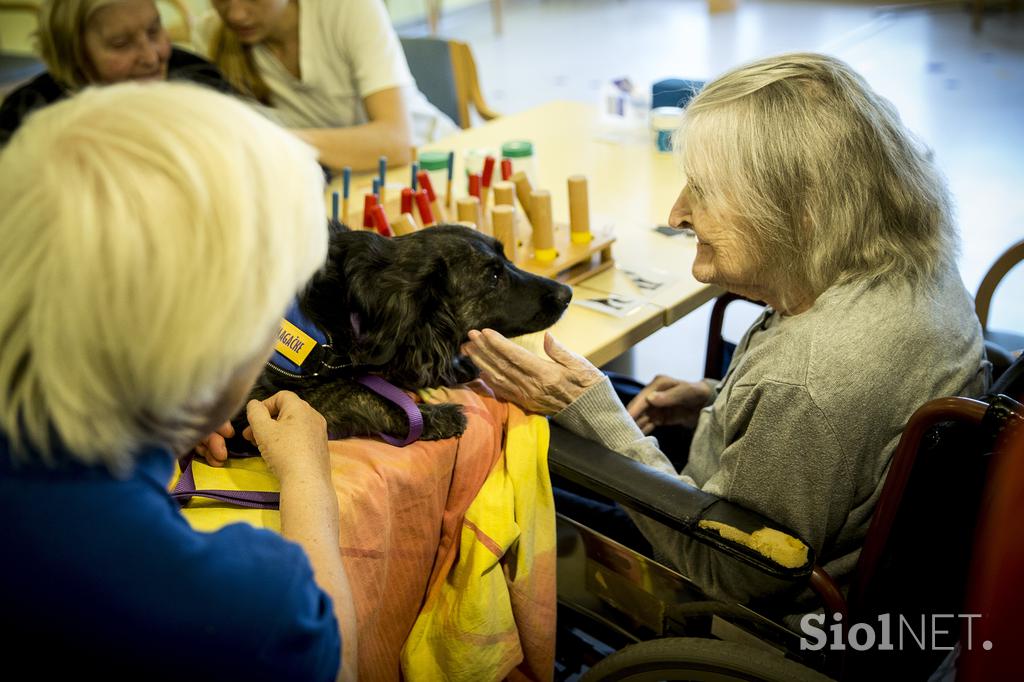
(399, 397)
(185, 490)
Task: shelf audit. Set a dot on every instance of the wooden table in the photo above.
(631, 186)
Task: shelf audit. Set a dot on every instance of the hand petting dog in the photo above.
(535, 384)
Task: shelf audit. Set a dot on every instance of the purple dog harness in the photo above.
(318, 360)
(318, 357)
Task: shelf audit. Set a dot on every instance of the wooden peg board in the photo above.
(574, 262)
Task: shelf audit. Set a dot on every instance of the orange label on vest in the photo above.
(293, 343)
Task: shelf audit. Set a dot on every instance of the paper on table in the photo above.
(646, 279)
(611, 304)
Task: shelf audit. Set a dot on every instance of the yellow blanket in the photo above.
(449, 545)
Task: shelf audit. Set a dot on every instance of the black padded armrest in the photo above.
(665, 499)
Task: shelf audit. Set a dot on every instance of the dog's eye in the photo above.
(496, 272)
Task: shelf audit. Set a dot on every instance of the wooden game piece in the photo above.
(380, 221)
(405, 224)
(415, 176)
(503, 221)
(369, 201)
(346, 180)
(449, 198)
(334, 205)
(382, 171)
(423, 205)
(579, 210)
(504, 194)
(469, 211)
(485, 180)
(523, 191)
(506, 169)
(427, 185)
(543, 230)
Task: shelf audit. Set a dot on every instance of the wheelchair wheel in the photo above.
(700, 660)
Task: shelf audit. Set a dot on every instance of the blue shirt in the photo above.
(104, 574)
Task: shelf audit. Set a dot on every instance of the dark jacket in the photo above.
(44, 90)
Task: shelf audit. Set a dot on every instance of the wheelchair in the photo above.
(625, 616)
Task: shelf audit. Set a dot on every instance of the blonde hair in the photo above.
(820, 173)
(237, 64)
(60, 39)
(153, 236)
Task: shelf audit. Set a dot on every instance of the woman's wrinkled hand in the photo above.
(290, 434)
(543, 386)
(667, 401)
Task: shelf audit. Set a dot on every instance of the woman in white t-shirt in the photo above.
(332, 70)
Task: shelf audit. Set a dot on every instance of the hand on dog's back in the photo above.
(283, 428)
(291, 436)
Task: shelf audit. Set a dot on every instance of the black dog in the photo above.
(401, 308)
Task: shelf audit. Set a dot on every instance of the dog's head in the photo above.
(415, 298)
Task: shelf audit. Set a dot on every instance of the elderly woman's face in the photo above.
(126, 41)
(723, 255)
(252, 20)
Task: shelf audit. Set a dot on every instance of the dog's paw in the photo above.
(443, 420)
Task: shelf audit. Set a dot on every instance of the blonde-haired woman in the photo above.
(91, 42)
(806, 192)
(332, 70)
(153, 236)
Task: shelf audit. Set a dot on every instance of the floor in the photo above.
(962, 92)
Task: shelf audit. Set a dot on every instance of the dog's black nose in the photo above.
(562, 295)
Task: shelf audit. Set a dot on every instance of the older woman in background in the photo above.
(805, 191)
(92, 42)
(134, 217)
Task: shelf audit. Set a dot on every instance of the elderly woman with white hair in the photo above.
(153, 237)
(806, 192)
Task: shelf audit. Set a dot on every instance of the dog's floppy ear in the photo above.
(403, 315)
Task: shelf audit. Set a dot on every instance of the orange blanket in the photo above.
(417, 565)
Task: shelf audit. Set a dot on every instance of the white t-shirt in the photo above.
(348, 50)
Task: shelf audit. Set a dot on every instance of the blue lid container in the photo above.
(674, 92)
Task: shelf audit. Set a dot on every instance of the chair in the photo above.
(997, 564)
(914, 560)
(434, 16)
(998, 342)
(445, 73)
(719, 350)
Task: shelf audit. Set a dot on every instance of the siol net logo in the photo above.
(934, 632)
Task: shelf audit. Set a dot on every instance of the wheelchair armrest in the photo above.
(666, 499)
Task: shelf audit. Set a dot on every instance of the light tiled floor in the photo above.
(962, 92)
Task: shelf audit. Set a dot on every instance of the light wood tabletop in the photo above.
(631, 187)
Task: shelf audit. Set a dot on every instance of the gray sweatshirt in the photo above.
(803, 425)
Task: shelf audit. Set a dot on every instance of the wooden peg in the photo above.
(504, 194)
(543, 230)
(503, 220)
(579, 210)
(469, 210)
(523, 190)
(405, 224)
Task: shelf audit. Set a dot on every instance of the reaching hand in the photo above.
(535, 384)
(666, 401)
(214, 447)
